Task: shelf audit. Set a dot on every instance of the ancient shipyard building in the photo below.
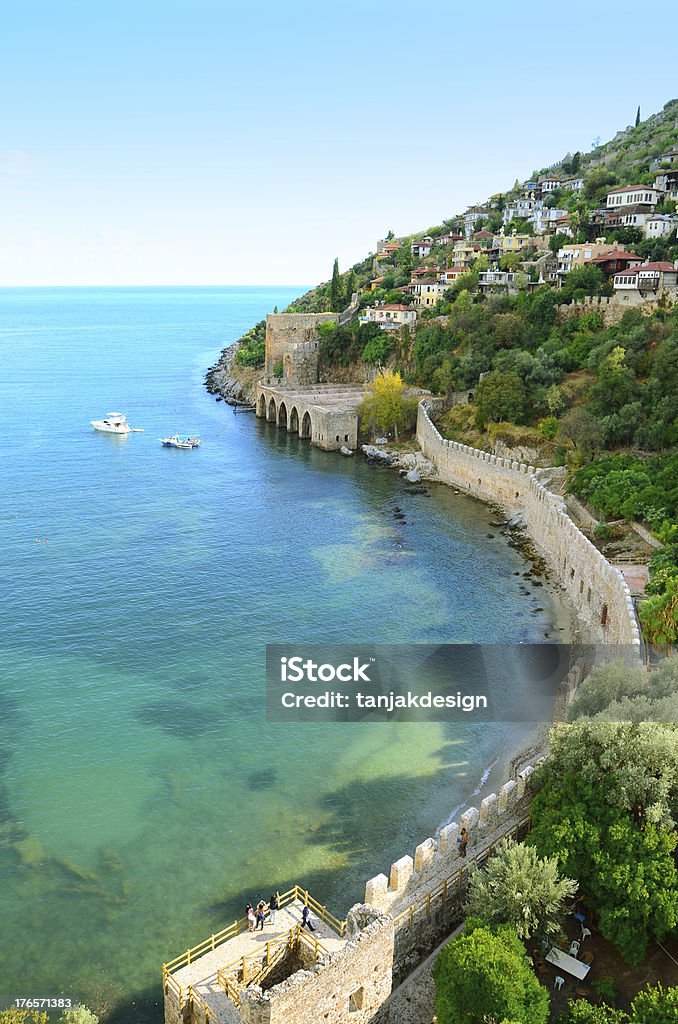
(290, 393)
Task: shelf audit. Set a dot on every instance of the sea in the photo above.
(144, 796)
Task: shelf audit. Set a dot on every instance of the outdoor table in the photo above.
(568, 963)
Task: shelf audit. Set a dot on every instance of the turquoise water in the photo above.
(143, 797)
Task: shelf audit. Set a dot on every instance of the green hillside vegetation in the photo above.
(566, 386)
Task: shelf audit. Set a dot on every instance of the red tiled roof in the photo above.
(483, 234)
(655, 268)
(393, 306)
(457, 269)
(616, 254)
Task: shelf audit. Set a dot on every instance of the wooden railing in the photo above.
(237, 975)
(454, 883)
(195, 997)
(241, 925)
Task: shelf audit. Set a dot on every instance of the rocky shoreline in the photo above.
(229, 382)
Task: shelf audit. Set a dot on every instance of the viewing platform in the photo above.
(208, 979)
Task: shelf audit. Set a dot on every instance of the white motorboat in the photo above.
(179, 441)
(112, 423)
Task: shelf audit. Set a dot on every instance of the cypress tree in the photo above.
(335, 288)
(638, 117)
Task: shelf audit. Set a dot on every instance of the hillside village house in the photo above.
(550, 184)
(464, 253)
(449, 239)
(483, 239)
(570, 256)
(389, 315)
(660, 224)
(572, 184)
(635, 283)
(427, 292)
(615, 260)
(501, 281)
(388, 250)
(544, 216)
(422, 248)
(514, 242)
(472, 215)
(633, 195)
(452, 274)
(667, 183)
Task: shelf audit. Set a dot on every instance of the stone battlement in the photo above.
(596, 588)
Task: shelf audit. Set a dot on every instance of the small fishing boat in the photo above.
(112, 423)
(179, 441)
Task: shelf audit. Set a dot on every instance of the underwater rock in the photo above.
(31, 851)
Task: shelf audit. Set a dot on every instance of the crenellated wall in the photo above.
(597, 589)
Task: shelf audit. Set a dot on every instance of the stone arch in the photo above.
(261, 405)
(293, 423)
(306, 428)
(272, 411)
(282, 415)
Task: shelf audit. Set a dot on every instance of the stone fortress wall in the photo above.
(292, 339)
(597, 589)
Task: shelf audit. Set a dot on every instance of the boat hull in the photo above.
(107, 428)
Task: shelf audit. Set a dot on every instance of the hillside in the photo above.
(501, 320)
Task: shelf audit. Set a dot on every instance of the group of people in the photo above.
(256, 918)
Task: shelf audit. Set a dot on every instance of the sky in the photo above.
(225, 143)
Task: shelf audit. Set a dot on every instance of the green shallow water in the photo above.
(143, 796)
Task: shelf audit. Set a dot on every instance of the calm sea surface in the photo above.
(143, 797)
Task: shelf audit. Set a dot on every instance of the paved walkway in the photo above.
(202, 973)
(636, 576)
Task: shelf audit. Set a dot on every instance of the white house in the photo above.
(646, 280)
(422, 248)
(633, 195)
(572, 184)
(543, 217)
(471, 217)
(659, 224)
(550, 184)
(389, 315)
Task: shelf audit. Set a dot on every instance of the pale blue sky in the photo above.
(199, 142)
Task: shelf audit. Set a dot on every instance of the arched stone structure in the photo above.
(324, 414)
(293, 421)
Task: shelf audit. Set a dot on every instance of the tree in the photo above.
(606, 684)
(78, 1015)
(583, 430)
(558, 240)
(484, 974)
(582, 281)
(656, 1005)
(604, 807)
(520, 889)
(637, 117)
(386, 403)
(15, 1016)
(580, 1011)
(659, 614)
(499, 396)
(335, 287)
